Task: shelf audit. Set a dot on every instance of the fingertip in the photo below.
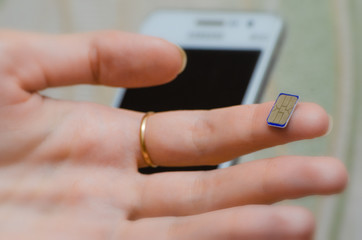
(335, 175)
(319, 119)
(171, 59)
(330, 125)
(311, 120)
(183, 58)
(321, 175)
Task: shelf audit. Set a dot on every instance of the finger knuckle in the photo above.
(202, 131)
(97, 55)
(198, 194)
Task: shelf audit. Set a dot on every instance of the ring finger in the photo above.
(258, 182)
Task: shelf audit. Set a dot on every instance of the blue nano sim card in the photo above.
(282, 110)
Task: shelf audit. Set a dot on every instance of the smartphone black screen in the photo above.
(212, 79)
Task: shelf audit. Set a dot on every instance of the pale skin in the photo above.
(70, 170)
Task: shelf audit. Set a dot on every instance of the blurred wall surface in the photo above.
(321, 60)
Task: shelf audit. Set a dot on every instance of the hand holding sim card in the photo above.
(69, 164)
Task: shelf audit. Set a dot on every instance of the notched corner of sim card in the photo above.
(282, 110)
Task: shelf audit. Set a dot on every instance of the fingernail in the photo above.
(330, 125)
(184, 59)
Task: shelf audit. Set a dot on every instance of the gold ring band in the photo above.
(145, 155)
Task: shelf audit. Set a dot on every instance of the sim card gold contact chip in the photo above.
(282, 110)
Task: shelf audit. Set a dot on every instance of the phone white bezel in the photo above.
(221, 30)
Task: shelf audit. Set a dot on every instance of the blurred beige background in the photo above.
(321, 61)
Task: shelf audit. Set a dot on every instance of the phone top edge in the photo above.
(226, 18)
(208, 12)
(221, 14)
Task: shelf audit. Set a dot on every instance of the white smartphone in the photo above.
(230, 55)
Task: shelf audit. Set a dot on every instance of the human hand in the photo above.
(70, 170)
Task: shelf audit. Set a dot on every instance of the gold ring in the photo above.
(145, 155)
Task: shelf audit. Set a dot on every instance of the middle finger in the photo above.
(258, 182)
(189, 138)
